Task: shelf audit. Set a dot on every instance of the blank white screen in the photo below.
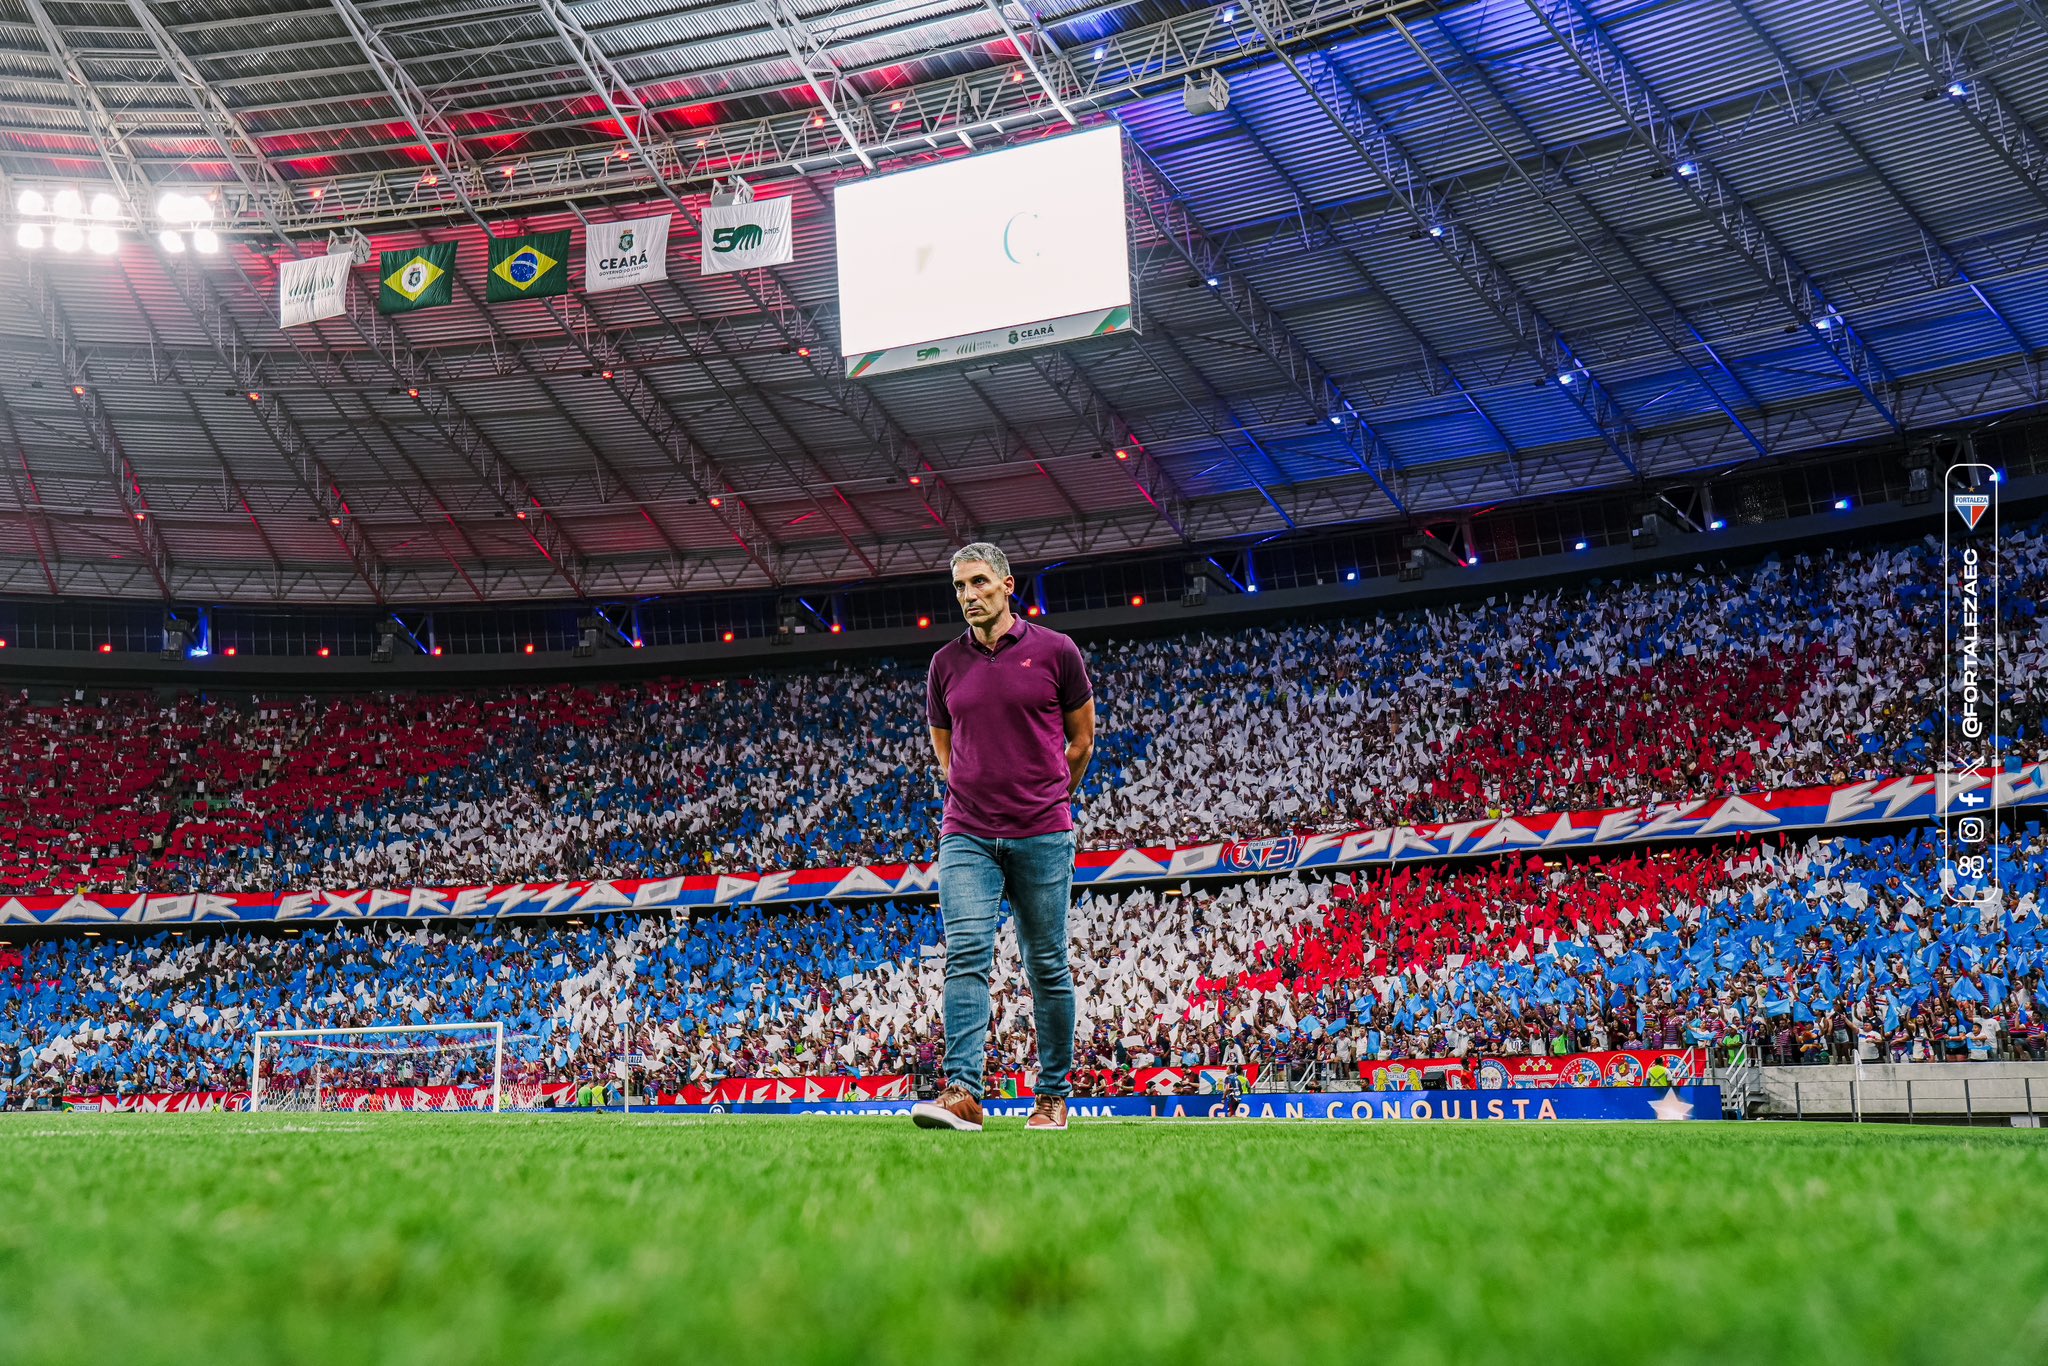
(1010, 237)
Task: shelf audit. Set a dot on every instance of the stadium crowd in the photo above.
(1807, 668)
(1828, 949)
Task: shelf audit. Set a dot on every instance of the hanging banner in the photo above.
(1806, 810)
(417, 277)
(532, 265)
(745, 236)
(312, 289)
(620, 255)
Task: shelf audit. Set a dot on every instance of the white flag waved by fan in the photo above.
(312, 289)
(631, 252)
(744, 236)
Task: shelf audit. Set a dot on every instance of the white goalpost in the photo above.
(370, 1067)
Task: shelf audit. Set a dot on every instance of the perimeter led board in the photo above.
(984, 254)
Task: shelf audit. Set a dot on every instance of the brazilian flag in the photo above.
(531, 266)
(417, 277)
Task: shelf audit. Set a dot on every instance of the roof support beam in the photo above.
(1563, 176)
(819, 71)
(764, 288)
(21, 480)
(464, 178)
(99, 427)
(1603, 63)
(1177, 225)
(1431, 357)
(1377, 148)
(1222, 439)
(1936, 247)
(228, 477)
(1968, 89)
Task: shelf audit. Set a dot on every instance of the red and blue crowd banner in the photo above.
(1798, 810)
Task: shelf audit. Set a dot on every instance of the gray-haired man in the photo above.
(1012, 719)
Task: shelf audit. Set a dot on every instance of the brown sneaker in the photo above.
(954, 1109)
(1049, 1113)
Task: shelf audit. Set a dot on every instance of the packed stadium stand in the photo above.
(1810, 667)
(1822, 950)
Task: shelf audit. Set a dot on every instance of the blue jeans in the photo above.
(1038, 876)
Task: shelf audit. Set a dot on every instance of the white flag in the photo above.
(312, 289)
(744, 236)
(632, 252)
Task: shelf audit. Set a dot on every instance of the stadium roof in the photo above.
(1429, 257)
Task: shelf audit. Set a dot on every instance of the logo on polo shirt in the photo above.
(1027, 663)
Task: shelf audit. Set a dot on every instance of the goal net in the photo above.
(454, 1066)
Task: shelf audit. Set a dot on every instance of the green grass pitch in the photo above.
(450, 1239)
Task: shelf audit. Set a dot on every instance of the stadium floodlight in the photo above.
(66, 204)
(29, 237)
(102, 239)
(206, 241)
(171, 241)
(31, 202)
(303, 1061)
(67, 236)
(105, 207)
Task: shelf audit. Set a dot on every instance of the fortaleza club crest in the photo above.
(1971, 507)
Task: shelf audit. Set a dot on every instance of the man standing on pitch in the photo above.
(1012, 718)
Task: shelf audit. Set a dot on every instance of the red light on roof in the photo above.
(3, 642)
(430, 179)
(836, 628)
(78, 389)
(324, 652)
(622, 154)
(607, 374)
(718, 502)
(727, 637)
(529, 647)
(1123, 455)
(818, 121)
(507, 172)
(923, 622)
(1031, 611)
(804, 351)
(255, 397)
(435, 652)
(638, 643)
(140, 515)
(1016, 77)
(229, 652)
(521, 514)
(895, 105)
(106, 649)
(334, 521)
(1137, 599)
(412, 393)
(318, 193)
(916, 479)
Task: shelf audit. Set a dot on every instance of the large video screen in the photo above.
(948, 261)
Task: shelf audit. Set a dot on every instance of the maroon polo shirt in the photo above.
(1005, 708)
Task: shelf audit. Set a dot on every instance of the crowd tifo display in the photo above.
(1805, 669)
(1824, 950)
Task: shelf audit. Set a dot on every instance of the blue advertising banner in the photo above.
(1404, 1107)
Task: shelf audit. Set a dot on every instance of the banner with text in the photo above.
(1799, 811)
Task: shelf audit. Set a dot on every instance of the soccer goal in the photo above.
(454, 1066)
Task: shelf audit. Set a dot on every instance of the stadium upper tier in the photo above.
(1802, 950)
(1803, 669)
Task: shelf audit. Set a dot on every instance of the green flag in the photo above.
(531, 266)
(417, 277)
